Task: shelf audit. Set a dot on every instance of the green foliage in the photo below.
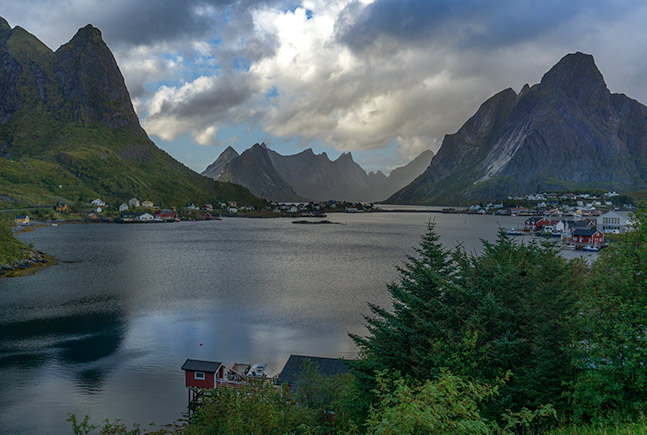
(84, 427)
(337, 400)
(447, 404)
(611, 345)
(480, 316)
(517, 300)
(254, 408)
(11, 249)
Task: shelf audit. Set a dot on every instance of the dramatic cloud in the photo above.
(356, 75)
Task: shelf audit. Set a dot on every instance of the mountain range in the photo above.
(566, 132)
(307, 176)
(68, 131)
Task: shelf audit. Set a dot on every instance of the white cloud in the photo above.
(358, 75)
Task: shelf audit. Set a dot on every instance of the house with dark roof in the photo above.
(22, 219)
(327, 367)
(588, 237)
(202, 374)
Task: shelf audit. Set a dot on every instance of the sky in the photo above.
(383, 79)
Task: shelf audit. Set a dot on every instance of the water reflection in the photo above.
(105, 331)
(76, 341)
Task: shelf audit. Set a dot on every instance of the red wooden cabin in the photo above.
(202, 374)
(167, 215)
(588, 237)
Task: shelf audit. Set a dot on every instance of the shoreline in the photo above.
(26, 266)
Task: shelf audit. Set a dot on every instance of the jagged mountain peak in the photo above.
(214, 169)
(87, 38)
(575, 71)
(87, 32)
(88, 74)
(257, 147)
(343, 157)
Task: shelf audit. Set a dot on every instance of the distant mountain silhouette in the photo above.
(310, 176)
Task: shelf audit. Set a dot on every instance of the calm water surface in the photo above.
(105, 331)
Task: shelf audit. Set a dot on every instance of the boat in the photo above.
(257, 370)
(514, 232)
(590, 248)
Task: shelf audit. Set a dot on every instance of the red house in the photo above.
(202, 374)
(167, 215)
(588, 237)
(535, 223)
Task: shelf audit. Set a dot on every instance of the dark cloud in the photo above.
(463, 24)
(221, 95)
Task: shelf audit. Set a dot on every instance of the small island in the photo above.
(303, 221)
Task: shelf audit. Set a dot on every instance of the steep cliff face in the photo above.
(566, 132)
(68, 130)
(92, 85)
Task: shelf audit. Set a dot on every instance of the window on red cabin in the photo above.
(199, 375)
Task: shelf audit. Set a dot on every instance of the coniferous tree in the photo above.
(612, 348)
(519, 299)
(401, 339)
(481, 317)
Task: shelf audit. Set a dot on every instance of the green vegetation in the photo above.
(514, 340)
(11, 249)
(71, 135)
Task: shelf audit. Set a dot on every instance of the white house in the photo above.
(146, 217)
(123, 207)
(98, 202)
(134, 202)
(232, 210)
(614, 221)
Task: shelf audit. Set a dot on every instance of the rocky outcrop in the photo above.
(566, 132)
(33, 259)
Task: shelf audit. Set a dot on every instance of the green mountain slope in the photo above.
(68, 131)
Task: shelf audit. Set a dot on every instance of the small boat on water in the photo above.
(590, 248)
(514, 232)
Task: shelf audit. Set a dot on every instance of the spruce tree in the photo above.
(502, 313)
(402, 339)
(611, 349)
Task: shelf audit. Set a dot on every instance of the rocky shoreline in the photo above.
(35, 259)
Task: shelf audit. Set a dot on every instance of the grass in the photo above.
(11, 249)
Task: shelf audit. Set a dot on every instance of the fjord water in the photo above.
(105, 331)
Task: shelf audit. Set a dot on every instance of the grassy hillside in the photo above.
(11, 249)
(68, 132)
